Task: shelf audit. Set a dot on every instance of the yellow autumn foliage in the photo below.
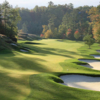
(94, 16)
(48, 34)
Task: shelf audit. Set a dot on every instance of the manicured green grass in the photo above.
(46, 87)
(34, 75)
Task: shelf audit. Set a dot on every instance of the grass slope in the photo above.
(34, 76)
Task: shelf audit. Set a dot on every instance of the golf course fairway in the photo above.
(36, 75)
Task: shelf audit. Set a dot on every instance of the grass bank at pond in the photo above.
(34, 76)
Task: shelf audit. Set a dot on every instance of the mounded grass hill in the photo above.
(35, 75)
(27, 36)
(5, 42)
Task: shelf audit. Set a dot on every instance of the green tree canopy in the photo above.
(88, 40)
(24, 28)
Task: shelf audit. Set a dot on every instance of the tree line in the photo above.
(53, 21)
(56, 21)
(9, 18)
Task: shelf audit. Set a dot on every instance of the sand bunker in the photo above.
(94, 64)
(84, 82)
(23, 50)
(81, 81)
(98, 51)
(96, 56)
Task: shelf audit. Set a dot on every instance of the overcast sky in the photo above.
(32, 3)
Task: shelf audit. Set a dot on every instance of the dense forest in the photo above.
(9, 18)
(53, 21)
(56, 21)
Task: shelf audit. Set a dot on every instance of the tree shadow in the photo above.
(34, 43)
(7, 52)
(11, 88)
(45, 51)
(25, 64)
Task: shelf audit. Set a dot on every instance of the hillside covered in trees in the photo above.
(9, 17)
(56, 21)
(53, 21)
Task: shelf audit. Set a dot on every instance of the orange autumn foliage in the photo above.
(77, 34)
(41, 35)
(68, 33)
(94, 16)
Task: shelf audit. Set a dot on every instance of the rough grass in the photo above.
(34, 75)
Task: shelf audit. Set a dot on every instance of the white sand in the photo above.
(23, 50)
(96, 56)
(81, 81)
(98, 51)
(84, 82)
(13, 44)
(94, 64)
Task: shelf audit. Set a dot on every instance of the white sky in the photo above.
(32, 3)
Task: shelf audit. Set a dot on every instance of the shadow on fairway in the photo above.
(34, 43)
(4, 52)
(46, 51)
(11, 88)
(24, 64)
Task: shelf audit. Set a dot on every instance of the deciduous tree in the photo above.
(48, 34)
(88, 40)
(77, 34)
